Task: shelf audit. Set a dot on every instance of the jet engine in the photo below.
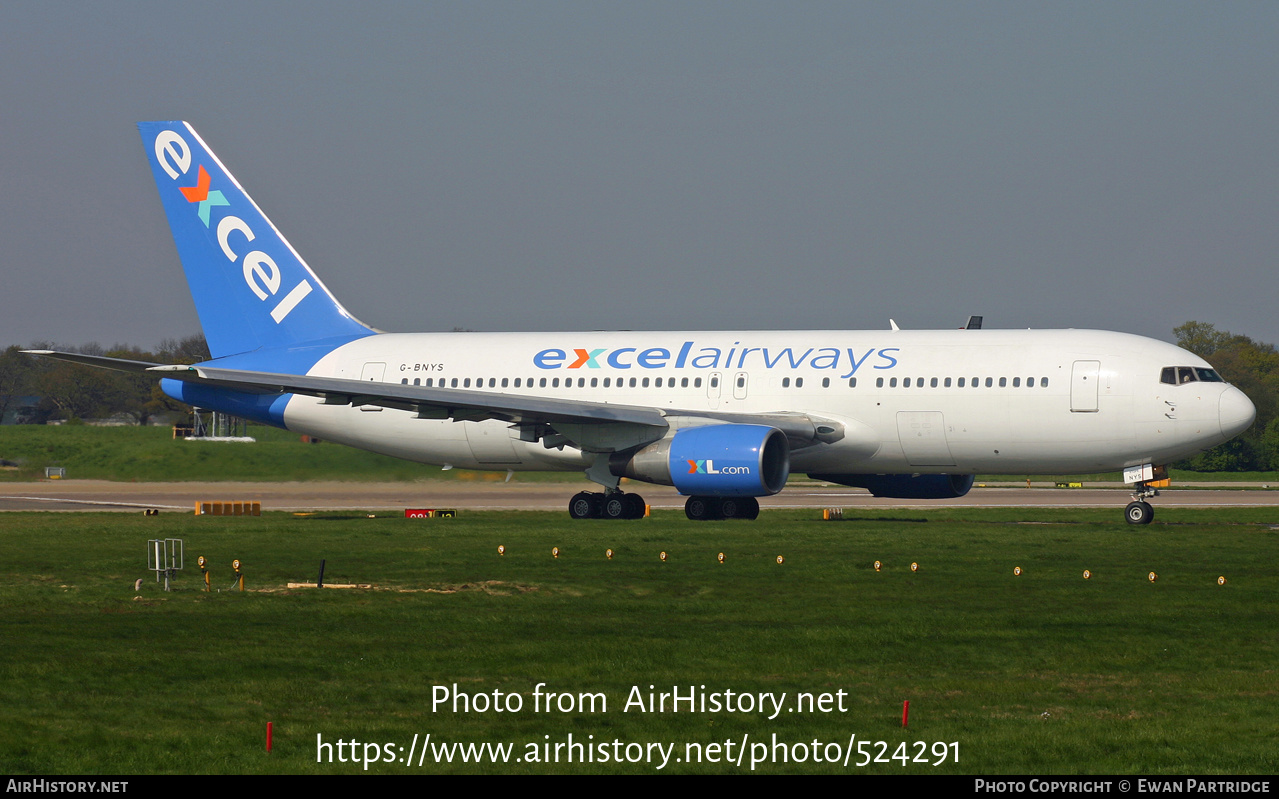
(720, 460)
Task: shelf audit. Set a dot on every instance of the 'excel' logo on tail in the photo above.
(261, 273)
(199, 193)
(708, 467)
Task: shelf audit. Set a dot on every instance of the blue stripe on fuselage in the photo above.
(264, 408)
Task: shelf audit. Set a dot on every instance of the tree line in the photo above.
(71, 391)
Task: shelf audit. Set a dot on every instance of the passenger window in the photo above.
(645, 383)
(785, 382)
(632, 382)
(454, 383)
(714, 382)
(697, 382)
(905, 382)
(852, 382)
(1003, 382)
(466, 383)
(933, 383)
(825, 382)
(892, 382)
(879, 382)
(989, 382)
(1016, 382)
(683, 383)
(741, 381)
(429, 380)
(948, 382)
(405, 381)
(542, 383)
(799, 382)
(1043, 382)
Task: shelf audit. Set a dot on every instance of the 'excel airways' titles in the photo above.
(689, 357)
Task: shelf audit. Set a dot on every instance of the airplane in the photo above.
(723, 416)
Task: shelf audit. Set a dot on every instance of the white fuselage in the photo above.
(942, 401)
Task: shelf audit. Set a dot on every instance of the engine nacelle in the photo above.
(905, 486)
(720, 460)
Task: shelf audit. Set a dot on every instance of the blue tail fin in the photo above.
(251, 288)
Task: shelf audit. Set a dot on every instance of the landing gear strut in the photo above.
(701, 508)
(611, 505)
(1139, 511)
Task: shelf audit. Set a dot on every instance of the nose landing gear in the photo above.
(1139, 511)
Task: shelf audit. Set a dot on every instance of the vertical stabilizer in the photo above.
(251, 288)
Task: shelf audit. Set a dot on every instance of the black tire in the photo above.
(584, 505)
(635, 506)
(730, 508)
(750, 508)
(615, 506)
(702, 509)
(1139, 513)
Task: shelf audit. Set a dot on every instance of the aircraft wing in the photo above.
(596, 426)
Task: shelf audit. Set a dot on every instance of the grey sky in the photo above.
(646, 165)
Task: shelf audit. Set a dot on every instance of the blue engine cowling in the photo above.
(905, 486)
(720, 460)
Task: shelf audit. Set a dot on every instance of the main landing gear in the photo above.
(1139, 511)
(610, 505)
(701, 509)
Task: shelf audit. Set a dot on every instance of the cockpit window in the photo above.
(1177, 375)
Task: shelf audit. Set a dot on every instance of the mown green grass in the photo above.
(1044, 673)
(148, 454)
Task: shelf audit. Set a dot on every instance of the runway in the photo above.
(101, 495)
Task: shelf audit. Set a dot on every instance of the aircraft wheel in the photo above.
(584, 505)
(749, 509)
(616, 507)
(701, 509)
(730, 508)
(1139, 513)
(634, 506)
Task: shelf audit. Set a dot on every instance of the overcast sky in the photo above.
(649, 165)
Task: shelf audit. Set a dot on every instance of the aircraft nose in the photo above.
(1236, 411)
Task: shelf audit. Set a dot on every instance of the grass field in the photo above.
(147, 454)
(1039, 673)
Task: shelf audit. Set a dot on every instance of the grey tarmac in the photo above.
(102, 495)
